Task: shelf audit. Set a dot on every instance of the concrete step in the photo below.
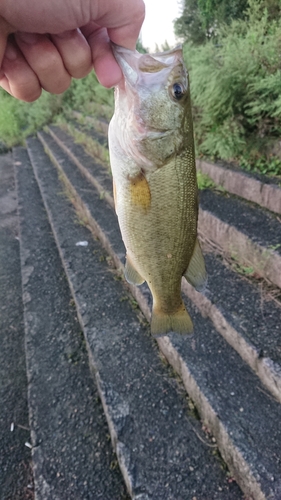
(246, 232)
(262, 190)
(161, 449)
(233, 224)
(243, 313)
(72, 456)
(242, 416)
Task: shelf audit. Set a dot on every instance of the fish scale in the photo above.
(158, 241)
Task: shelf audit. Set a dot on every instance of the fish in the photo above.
(151, 148)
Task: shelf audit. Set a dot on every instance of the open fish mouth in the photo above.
(127, 61)
(121, 52)
(132, 63)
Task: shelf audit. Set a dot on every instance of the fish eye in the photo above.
(178, 91)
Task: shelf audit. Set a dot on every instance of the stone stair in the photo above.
(188, 419)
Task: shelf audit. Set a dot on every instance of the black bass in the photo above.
(154, 178)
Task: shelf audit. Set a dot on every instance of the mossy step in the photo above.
(229, 397)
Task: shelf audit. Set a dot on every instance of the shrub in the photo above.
(11, 120)
(236, 87)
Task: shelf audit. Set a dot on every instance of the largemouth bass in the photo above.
(154, 178)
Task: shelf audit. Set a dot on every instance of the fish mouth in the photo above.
(128, 62)
(118, 50)
(133, 63)
(122, 52)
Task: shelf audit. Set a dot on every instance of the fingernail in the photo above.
(11, 52)
(28, 38)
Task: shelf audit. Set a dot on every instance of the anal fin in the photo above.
(196, 273)
(131, 274)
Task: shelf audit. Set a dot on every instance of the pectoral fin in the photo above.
(140, 192)
(131, 274)
(196, 273)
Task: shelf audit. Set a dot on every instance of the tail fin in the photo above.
(178, 322)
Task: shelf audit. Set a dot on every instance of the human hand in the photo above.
(44, 44)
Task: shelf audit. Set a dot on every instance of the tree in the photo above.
(200, 19)
(273, 8)
(189, 25)
(216, 12)
(235, 89)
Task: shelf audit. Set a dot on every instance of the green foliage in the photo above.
(262, 164)
(273, 8)
(236, 88)
(200, 19)
(82, 92)
(216, 12)
(41, 112)
(204, 181)
(189, 25)
(19, 119)
(11, 120)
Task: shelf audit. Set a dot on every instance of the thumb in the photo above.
(124, 22)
